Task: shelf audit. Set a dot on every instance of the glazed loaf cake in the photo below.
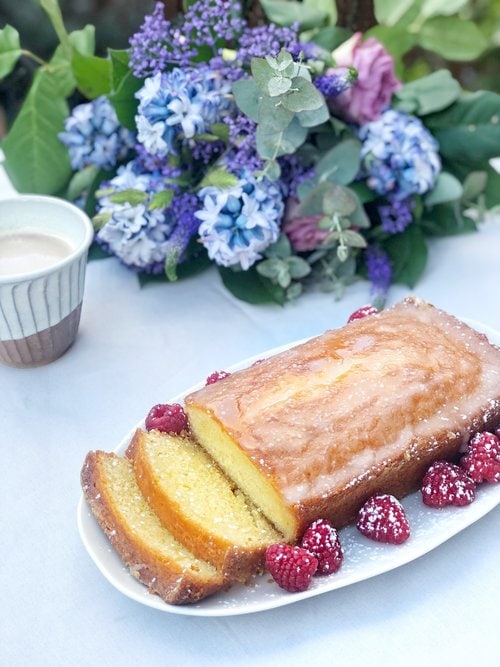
(199, 505)
(314, 431)
(149, 550)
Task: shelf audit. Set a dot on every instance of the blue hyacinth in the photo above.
(139, 236)
(178, 105)
(399, 155)
(238, 224)
(94, 136)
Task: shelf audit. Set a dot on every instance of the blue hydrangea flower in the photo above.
(141, 238)
(178, 105)
(400, 157)
(238, 224)
(94, 136)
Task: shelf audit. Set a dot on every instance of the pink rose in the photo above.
(302, 231)
(376, 83)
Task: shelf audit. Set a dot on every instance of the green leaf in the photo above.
(54, 13)
(129, 196)
(249, 286)
(124, 101)
(262, 72)
(280, 249)
(10, 50)
(81, 182)
(446, 220)
(331, 36)
(219, 177)
(119, 66)
(83, 40)
(492, 188)
(452, 38)
(447, 188)
(441, 7)
(272, 144)
(428, 94)
(246, 95)
(161, 199)
(468, 131)
(389, 12)
(341, 164)
(298, 267)
(408, 254)
(287, 12)
(326, 6)
(92, 74)
(35, 160)
(221, 131)
(396, 39)
(303, 96)
(337, 200)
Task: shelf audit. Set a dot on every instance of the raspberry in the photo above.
(168, 418)
(445, 484)
(292, 568)
(216, 376)
(482, 458)
(322, 541)
(364, 311)
(383, 519)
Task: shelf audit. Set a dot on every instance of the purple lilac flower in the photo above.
(335, 81)
(400, 157)
(239, 223)
(157, 44)
(206, 151)
(267, 40)
(160, 43)
(379, 272)
(243, 155)
(177, 105)
(145, 162)
(293, 173)
(396, 215)
(182, 211)
(137, 235)
(94, 136)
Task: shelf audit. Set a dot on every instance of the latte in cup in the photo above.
(43, 255)
(26, 251)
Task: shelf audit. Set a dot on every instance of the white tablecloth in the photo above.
(137, 347)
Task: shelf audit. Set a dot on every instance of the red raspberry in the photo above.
(364, 311)
(291, 567)
(168, 418)
(322, 541)
(445, 484)
(216, 376)
(482, 458)
(383, 519)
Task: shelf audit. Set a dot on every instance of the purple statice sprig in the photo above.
(379, 273)
(336, 81)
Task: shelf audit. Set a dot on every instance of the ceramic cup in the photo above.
(44, 243)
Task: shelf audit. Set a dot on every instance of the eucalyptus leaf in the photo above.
(354, 239)
(315, 117)
(452, 38)
(10, 50)
(279, 85)
(272, 170)
(341, 164)
(246, 95)
(279, 249)
(474, 184)
(429, 94)
(303, 96)
(337, 200)
(447, 188)
(298, 267)
(273, 117)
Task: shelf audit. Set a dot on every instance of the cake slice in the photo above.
(199, 505)
(148, 549)
(363, 409)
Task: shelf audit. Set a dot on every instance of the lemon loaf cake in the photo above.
(199, 505)
(363, 409)
(148, 549)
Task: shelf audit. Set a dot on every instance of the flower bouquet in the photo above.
(291, 154)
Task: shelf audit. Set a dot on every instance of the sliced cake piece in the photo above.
(148, 549)
(199, 505)
(314, 431)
